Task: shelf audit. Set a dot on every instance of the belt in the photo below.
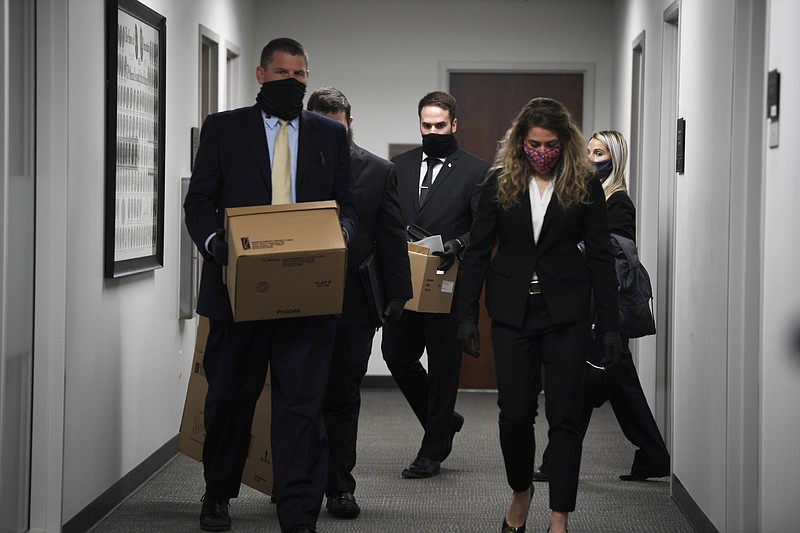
(534, 287)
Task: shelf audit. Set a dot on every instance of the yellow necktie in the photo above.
(281, 168)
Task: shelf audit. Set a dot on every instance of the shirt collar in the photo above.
(425, 156)
(272, 121)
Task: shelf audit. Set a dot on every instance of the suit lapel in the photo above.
(305, 143)
(553, 210)
(448, 166)
(527, 214)
(357, 161)
(407, 166)
(257, 139)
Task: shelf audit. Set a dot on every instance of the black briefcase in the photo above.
(372, 280)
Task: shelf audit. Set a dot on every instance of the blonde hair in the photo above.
(514, 170)
(618, 150)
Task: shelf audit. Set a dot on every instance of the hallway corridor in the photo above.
(469, 496)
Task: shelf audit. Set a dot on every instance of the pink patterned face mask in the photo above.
(544, 162)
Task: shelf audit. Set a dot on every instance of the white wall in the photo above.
(733, 266)
(127, 354)
(386, 55)
(701, 256)
(780, 348)
(630, 20)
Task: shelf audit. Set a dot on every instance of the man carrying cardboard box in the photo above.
(270, 153)
(437, 186)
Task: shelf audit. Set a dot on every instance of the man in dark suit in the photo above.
(438, 189)
(234, 168)
(380, 230)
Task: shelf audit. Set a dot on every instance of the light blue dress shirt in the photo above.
(271, 127)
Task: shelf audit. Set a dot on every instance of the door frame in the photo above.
(49, 343)
(746, 237)
(636, 138)
(585, 70)
(481, 67)
(665, 270)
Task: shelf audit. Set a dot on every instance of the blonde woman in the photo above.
(608, 152)
(538, 202)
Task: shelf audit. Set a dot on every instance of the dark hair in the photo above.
(438, 99)
(329, 100)
(282, 44)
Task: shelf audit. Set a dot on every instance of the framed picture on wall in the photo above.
(135, 135)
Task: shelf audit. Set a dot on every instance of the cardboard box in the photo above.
(258, 467)
(433, 292)
(285, 261)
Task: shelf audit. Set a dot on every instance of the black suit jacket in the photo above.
(621, 215)
(451, 201)
(232, 169)
(380, 228)
(567, 278)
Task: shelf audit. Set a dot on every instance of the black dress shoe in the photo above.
(457, 424)
(421, 467)
(641, 477)
(304, 529)
(343, 505)
(214, 514)
(540, 475)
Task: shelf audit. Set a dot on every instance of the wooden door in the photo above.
(487, 103)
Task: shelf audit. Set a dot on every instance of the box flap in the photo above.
(280, 208)
(418, 249)
(288, 231)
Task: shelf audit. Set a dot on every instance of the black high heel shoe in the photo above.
(519, 529)
(509, 529)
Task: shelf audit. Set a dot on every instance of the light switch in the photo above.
(773, 106)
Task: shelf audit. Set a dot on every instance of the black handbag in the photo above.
(635, 295)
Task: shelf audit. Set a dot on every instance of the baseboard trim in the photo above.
(379, 382)
(690, 509)
(93, 513)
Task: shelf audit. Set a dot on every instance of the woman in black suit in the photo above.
(536, 205)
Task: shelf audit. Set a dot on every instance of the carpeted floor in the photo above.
(469, 496)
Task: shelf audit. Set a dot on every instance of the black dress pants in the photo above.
(298, 351)
(629, 403)
(351, 351)
(519, 355)
(624, 391)
(432, 393)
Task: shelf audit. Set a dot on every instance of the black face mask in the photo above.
(282, 98)
(439, 145)
(603, 169)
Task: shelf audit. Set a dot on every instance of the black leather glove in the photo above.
(393, 310)
(451, 250)
(469, 340)
(219, 248)
(612, 348)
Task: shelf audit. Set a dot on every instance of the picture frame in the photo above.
(135, 138)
